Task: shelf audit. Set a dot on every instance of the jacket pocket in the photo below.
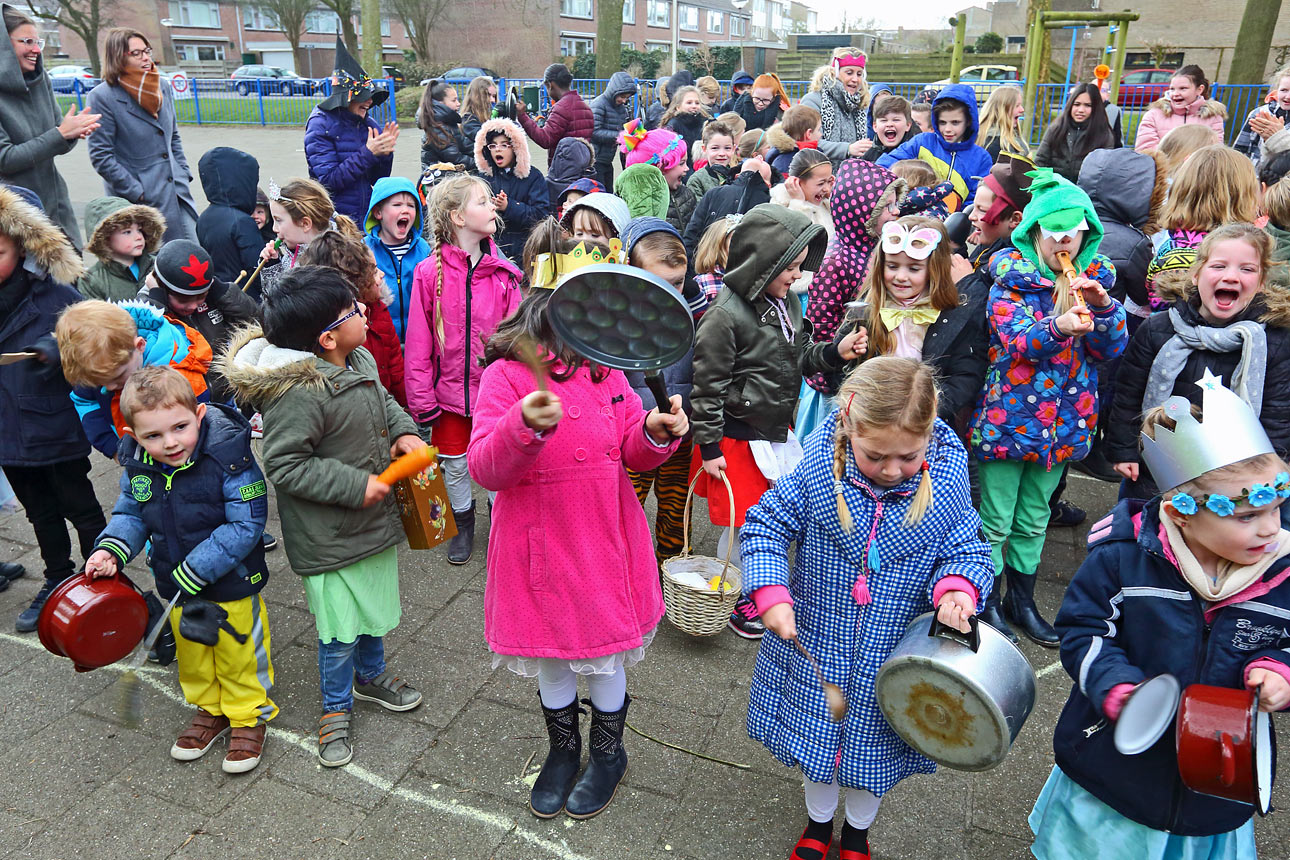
(47, 421)
(537, 559)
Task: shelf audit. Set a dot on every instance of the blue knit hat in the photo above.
(641, 227)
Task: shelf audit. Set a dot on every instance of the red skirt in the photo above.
(451, 434)
(746, 480)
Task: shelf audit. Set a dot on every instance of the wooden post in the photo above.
(960, 36)
(1117, 67)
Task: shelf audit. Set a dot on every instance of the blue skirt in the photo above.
(812, 408)
(1071, 824)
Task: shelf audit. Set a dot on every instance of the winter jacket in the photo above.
(338, 157)
(1162, 118)
(837, 147)
(782, 149)
(1061, 152)
(1124, 596)
(383, 343)
(38, 424)
(690, 128)
(527, 202)
(753, 118)
(327, 429)
(226, 228)
(470, 126)
(610, 117)
(569, 117)
(877, 151)
(397, 272)
(708, 177)
(746, 374)
(108, 279)
(741, 78)
(962, 162)
(141, 156)
(113, 281)
(680, 207)
(1250, 141)
(29, 138)
(1126, 189)
(204, 519)
(447, 144)
(1280, 274)
(1039, 403)
(743, 192)
(786, 708)
(444, 374)
(572, 160)
(562, 592)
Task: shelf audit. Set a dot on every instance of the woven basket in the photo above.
(701, 611)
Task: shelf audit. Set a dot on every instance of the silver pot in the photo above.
(959, 699)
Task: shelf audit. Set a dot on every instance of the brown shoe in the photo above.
(201, 733)
(245, 744)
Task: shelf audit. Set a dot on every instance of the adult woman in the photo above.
(1080, 129)
(443, 141)
(31, 130)
(138, 151)
(477, 108)
(1001, 123)
(842, 98)
(346, 149)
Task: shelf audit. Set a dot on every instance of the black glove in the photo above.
(201, 621)
(49, 364)
(165, 645)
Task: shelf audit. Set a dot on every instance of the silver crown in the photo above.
(1227, 433)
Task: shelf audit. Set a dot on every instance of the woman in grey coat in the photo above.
(138, 151)
(31, 130)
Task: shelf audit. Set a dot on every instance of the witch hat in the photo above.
(349, 83)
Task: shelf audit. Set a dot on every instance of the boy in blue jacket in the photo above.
(951, 149)
(191, 487)
(392, 230)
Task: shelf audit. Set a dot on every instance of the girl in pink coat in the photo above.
(1187, 101)
(573, 586)
(459, 295)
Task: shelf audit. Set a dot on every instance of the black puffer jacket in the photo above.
(743, 192)
(1062, 154)
(611, 117)
(226, 228)
(753, 118)
(225, 310)
(690, 127)
(447, 143)
(1123, 187)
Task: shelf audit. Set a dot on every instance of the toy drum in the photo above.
(92, 622)
(1225, 745)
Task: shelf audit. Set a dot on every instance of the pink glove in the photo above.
(1115, 700)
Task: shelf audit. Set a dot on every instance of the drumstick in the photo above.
(277, 243)
(408, 465)
(1068, 269)
(529, 355)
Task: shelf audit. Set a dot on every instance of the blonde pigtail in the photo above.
(922, 500)
(438, 291)
(839, 469)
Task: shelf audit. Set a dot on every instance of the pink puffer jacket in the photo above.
(1164, 118)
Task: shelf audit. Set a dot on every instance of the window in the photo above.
(629, 46)
(689, 17)
(190, 53)
(195, 13)
(573, 46)
(714, 21)
(319, 21)
(658, 13)
(738, 26)
(256, 18)
(385, 26)
(575, 9)
(665, 47)
(629, 11)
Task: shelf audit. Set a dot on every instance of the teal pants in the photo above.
(1014, 511)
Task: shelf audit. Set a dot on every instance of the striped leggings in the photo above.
(669, 482)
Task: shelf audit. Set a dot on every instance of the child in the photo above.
(686, 116)
(263, 217)
(644, 190)
(125, 237)
(302, 211)
(353, 259)
(752, 144)
(1190, 584)
(573, 161)
(740, 83)
(1039, 407)
(227, 227)
(203, 537)
(667, 151)
(709, 93)
(519, 190)
(611, 112)
(951, 150)
(442, 141)
(884, 474)
(459, 295)
(718, 152)
(1261, 122)
(926, 196)
(597, 217)
(921, 114)
(577, 190)
(750, 187)
(735, 123)
(711, 256)
(749, 356)
(763, 104)
(893, 124)
(1081, 128)
(329, 428)
(1187, 101)
(1178, 145)
(42, 448)
(393, 231)
(799, 130)
(1001, 123)
(807, 188)
(1276, 202)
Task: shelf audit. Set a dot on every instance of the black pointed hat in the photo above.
(349, 83)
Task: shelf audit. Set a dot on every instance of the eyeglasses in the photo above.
(140, 53)
(31, 43)
(761, 102)
(500, 145)
(358, 309)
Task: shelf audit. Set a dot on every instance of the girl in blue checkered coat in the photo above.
(885, 531)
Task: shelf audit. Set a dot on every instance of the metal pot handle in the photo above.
(972, 639)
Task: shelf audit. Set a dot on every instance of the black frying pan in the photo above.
(624, 318)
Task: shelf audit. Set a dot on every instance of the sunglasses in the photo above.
(358, 310)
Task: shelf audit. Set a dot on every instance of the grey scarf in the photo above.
(1247, 380)
(843, 116)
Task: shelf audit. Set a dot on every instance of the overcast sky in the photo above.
(927, 14)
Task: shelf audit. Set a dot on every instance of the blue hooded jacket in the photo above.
(961, 162)
(398, 273)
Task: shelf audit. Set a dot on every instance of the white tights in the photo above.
(558, 685)
(456, 480)
(724, 541)
(822, 803)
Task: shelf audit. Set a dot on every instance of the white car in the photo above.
(982, 79)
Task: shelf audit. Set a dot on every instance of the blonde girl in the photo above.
(888, 475)
(1001, 123)
(302, 211)
(709, 92)
(477, 107)
(1180, 143)
(752, 143)
(686, 116)
(459, 295)
(711, 254)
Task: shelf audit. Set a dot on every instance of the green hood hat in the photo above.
(645, 190)
(1057, 204)
(768, 238)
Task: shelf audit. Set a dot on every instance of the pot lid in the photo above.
(1148, 712)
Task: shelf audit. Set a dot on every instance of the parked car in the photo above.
(464, 73)
(63, 78)
(1141, 87)
(395, 74)
(273, 80)
(982, 79)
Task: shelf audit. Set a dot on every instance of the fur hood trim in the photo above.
(818, 214)
(45, 246)
(150, 221)
(518, 140)
(1207, 109)
(778, 138)
(260, 372)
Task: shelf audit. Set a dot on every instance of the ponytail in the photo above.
(922, 500)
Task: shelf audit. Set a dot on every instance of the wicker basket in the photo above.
(701, 611)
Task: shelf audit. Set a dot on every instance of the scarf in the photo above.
(843, 116)
(1246, 336)
(143, 87)
(908, 323)
(1232, 578)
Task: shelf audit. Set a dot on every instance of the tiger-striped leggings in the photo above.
(670, 482)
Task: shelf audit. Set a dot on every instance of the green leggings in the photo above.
(1014, 511)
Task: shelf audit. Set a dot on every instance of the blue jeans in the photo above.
(339, 662)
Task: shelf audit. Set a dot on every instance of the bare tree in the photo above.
(1159, 50)
(420, 18)
(1253, 41)
(289, 17)
(609, 37)
(85, 18)
(344, 10)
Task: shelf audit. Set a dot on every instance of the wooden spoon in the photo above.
(833, 694)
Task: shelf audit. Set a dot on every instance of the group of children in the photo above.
(900, 412)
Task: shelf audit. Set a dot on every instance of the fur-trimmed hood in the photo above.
(518, 140)
(46, 249)
(780, 139)
(105, 215)
(260, 372)
(1202, 108)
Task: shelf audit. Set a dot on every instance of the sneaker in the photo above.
(201, 734)
(1063, 513)
(334, 749)
(745, 621)
(26, 622)
(163, 650)
(388, 691)
(245, 746)
(269, 541)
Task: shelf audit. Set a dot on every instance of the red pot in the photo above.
(1225, 746)
(93, 622)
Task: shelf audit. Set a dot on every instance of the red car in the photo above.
(1140, 87)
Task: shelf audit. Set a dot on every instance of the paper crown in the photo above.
(548, 269)
(1227, 433)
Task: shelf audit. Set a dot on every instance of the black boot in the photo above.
(555, 781)
(993, 615)
(26, 622)
(462, 545)
(606, 767)
(1020, 610)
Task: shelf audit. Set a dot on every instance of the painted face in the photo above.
(1183, 91)
(501, 151)
(451, 99)
(169, 434)
(1244, 537)
(891, 129)
(851, 77)
(182, 305)
(125, 371)
(360, 108)
(779, 287)
(479, 215)
(890, 458)
(10, 257)
(1081, 108)
(127, 243)
(1282, 93)
(138, 55)
(26, 44)
(904, 278)
(818, 184)
(720, 150)
(690, 104)
(1229, 279)
(293, 233)
(675, 174)
(397, 215)
(1049, 246)
(952, 124)
(983, 233)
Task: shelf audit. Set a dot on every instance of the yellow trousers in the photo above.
(233, 679)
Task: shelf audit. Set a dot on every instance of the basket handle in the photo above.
(730, 540)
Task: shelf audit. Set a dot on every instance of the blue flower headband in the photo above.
(1256, 496)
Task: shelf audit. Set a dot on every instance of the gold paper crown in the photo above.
(548, 269)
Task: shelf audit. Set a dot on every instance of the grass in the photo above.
(233, 109)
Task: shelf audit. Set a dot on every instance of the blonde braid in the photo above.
(922, 500)
(839, 469)
(438, 291)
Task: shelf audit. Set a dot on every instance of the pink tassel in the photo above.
(860, 591)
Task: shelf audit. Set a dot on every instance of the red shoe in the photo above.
(851, 835)
(811, 845)
(848, 854)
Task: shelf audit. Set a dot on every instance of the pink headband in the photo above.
(849, 60)
(1001, 201)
